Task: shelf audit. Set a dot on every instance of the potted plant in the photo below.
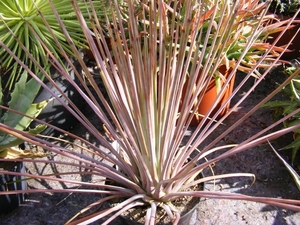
(234, 40)
(18, 111)
(144, 152)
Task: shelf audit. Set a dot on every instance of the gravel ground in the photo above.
(272, 180)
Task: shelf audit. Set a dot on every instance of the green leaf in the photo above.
(34, 110)
(294, 144)
(9, 141)
(21, 99)
(294, 174)
(275, 104)
(293, 122)
(291, 108)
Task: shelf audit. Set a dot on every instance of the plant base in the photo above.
(185, 205)
(136, 216)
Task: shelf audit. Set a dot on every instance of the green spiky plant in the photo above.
(146, 161)
(22, 27)
(288, 105)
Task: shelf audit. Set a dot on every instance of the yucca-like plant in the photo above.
(144, 158)
(22, 25)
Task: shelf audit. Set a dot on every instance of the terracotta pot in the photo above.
(211, 95)
(286, 37)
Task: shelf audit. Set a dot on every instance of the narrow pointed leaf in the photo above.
(294, 174)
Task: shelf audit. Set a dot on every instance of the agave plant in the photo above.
(144, 158)
(19, 113)
(24, 31)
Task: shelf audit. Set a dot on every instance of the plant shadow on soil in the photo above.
(272, 178)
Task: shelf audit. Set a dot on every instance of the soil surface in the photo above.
(272, 179)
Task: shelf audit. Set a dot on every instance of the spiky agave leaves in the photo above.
(144, 72)
(30, 24)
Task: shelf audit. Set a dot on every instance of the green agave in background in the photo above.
(25, 27)
(144, 74)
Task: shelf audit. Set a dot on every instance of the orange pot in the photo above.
(211, 95)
